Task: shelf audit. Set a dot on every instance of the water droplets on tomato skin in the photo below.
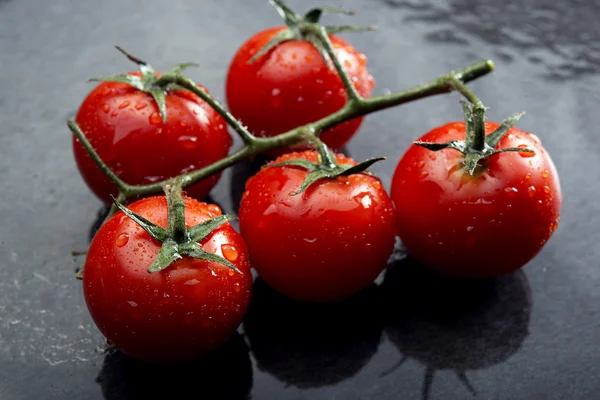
(141, 106)
(124, 104)
(122, 239)
(155, 118)
(105, 108)
(276, 98)
(230, 253)
(545, 174)
(525, 154)
(231, 272)
(554, 226)
(215, 209)
(421, 164)
(531, 191)
(528, 176)
(547, 189)
(423, 174)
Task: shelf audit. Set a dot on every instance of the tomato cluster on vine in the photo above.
(168, 279)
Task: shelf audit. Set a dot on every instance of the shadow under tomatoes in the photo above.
(454, 324)
(225, 374)
(311, 345)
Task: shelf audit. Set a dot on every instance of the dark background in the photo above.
(531, 335)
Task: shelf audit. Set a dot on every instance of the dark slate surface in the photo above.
(532, 335)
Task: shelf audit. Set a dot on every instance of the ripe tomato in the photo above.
(485, 225)
(291, 85)
(324, 244)
(176, 314)
(124, 126)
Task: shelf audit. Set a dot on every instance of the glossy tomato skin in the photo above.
(291, 86)
(124, 127)
(324, 244)
(174, 315)
(487, 225)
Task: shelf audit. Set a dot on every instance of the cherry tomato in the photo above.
(484, 225)
(291, 85)
(124, 126)
(173, 315)
(324, 244)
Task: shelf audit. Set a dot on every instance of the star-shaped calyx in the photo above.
(325, 168)
(302, 27)
(177, 240)
(149, 82)
(478, 146)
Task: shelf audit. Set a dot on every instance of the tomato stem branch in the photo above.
(321, 33)
(476, 137)
(190, 85)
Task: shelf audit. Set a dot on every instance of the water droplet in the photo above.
(300, 99)
(122, 239)
(524, 154)
(141, 106)
(231, 272)
(377, 184)
(124, 104)
(307, 240)
(432, 156)
(531, 191)
(215, 209)
(421, 164)
(192, 282)
(276, 98)
(347, 64)
(469, 228)
(106, 108)
(319, 81)
(237, 289)
(183, 123)
(148, 214)
(105, 91)
(155, 118)
(554, 226)
(188, 142)
(132, 303)
(230, 253)
(539, 204)
(308, 59)
(528, 176)
(545, 174)
(423, 174)
(511, 190)
(547, 189)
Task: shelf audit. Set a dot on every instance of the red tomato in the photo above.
(292, 86)
(124, 127)
(176, 314)
(324, 244)
(485, 225)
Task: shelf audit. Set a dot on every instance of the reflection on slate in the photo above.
(311, 345)
(452, 324)
(543, 31)
(225, 374)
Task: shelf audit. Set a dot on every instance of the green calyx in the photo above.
(306, 27)
(178, 240)
(477, 146)
(149, 82)
(326, 168)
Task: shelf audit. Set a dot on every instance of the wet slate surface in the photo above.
(531, 335)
